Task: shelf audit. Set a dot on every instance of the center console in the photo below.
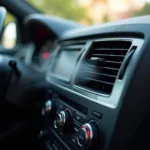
(98, 83)
(70, 126)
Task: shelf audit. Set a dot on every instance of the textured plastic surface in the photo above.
(120, 124)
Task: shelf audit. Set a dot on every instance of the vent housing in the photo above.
(100, 66)
(67, 57)
(73, 45)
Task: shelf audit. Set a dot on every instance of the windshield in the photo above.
(93, 11)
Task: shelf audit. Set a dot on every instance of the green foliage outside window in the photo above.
(144, 11)
(68, 9)
(9, 18)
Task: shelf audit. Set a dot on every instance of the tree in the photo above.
(9, 18)
(144, 11)
(106, 18)
(63, 8)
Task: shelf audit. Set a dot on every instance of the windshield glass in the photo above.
(93, 11)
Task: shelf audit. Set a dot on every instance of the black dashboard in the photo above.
(41, 54)
(98, 81)
(44, 32)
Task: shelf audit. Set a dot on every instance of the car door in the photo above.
(11, 42)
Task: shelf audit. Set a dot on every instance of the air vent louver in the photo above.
(101, 65)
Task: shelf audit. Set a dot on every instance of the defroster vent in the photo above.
(99, 69)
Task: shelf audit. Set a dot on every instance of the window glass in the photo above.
(9, 35)
(93, 11)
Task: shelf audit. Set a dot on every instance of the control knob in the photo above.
(88, 135)
(49, 109)
(63, 120)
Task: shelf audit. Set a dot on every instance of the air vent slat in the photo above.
(110, 57)
(109, 49)
(107, 71)
(101, 74)
(110, 52)
(110, 64)
(113, 62)
(101, 55)
(100, 81)
(101, 65)
(106, 68)
(106, 56)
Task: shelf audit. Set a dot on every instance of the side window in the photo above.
(9, 34)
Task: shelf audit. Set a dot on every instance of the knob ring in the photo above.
(88, 134)
(63, 118)
(55, 121)
(94, 121)
(91, 131)
(78, 138)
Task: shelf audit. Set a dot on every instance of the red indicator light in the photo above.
(45, 55)
(88, 133)
(67, 109)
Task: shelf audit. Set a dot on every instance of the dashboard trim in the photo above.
(126, 110)
(110, 101)
(103, 99)
(79, 94)
(57, 51)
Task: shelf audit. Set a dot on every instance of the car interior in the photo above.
(66, 86)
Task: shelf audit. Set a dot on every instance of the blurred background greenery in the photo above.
(90, 11)
(86, 12)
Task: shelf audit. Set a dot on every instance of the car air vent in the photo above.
(100, 66)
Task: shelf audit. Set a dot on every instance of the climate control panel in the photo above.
(88, 135)
(71, 127)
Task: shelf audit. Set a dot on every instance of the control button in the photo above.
(48, 106)
(76, 127)
(97, 115)
(54, 146)
(61, 106)
(80, 118)
(74, 140)
(49, 110)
